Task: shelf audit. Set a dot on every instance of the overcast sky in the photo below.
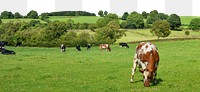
(185, 8)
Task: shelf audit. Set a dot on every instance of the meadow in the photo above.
(144, 34)
(36, 69)
(39, 69)
(76, 19)
(186, 19)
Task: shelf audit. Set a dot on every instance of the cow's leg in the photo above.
(154, 78)
(146, 82)
(135, 61)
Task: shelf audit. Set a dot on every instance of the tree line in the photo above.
(54, 33)
(106, 29)
(34, 15)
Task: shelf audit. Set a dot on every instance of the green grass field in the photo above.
(80, 19)
(144, 34)
(49, 70)
(76, 19)
(186, 19)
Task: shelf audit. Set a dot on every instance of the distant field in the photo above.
(49, 70)
(186, 19)
(80, 19)
(144, 34)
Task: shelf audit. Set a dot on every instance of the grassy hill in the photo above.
(186, 19)
(144, 34)
(76, 19)
(80, 19)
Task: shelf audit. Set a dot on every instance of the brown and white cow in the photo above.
(147, 59)
(105, 46)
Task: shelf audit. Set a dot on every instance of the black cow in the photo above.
(2, 44)
(18, 44)
(62, 47)
(89, 46)
(7, 52)
(78, 47)
(123, 44)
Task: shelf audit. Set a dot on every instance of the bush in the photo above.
(195, 24)
(92, 27)
(187, 32)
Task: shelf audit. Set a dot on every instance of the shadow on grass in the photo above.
(138, 81)
(159, 80)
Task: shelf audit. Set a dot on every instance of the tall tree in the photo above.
(105, 13)
(160, 28)
(17, 15)
(174, 21)
(125, 15)
(7, 15)
(109, 33)
(44, 16)
(100, 13)
(135, 20)
(145, 14)
(32, 14)
(152, 17)
(162, 16)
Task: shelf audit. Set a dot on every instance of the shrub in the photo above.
(195, 24)
(187, 32)
(92, 27)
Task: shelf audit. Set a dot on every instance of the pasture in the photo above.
(76, 19)
(144, 34)
(48, 69)
(186, 19)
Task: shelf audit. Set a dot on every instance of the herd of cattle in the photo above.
(146, 58)
(101, 47)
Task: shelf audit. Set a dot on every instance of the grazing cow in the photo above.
(62, 48)
(105, 46)
(123, 44)
(78, 47)
(7, 52)
(18, 44)
(147, 58)
(89, 46)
